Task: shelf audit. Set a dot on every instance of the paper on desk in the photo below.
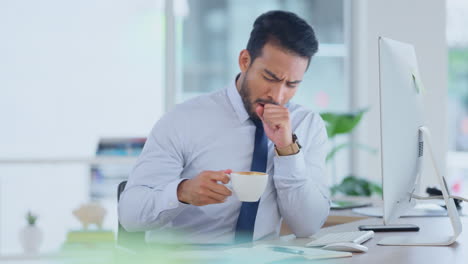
(316, 253)
(264, 253)
(255, 255)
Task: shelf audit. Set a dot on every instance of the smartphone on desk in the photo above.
(389, 228)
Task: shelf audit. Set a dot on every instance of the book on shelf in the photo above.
(106, 177)
(90, 236)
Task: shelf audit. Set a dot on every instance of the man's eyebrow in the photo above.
(295, 82)
(272, 75)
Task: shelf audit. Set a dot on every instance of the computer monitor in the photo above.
(403, 138)
(401, 116)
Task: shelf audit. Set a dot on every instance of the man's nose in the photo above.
(276, 93)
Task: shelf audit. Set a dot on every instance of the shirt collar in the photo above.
(236, 101)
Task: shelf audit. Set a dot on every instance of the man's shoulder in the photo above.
(196, 111)
(189, 116)
(307, 124)
(202, 103)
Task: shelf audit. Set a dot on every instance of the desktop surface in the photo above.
(457, 253)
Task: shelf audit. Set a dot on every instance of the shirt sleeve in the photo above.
(150, 198)
(300, 180)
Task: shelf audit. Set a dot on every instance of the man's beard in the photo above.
(247, 100)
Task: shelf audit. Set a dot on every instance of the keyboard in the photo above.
(358, 237)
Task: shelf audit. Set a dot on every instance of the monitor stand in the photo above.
(431, 240)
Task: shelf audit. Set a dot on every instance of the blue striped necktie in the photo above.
(248, 212)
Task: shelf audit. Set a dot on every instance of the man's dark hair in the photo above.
(285, 30)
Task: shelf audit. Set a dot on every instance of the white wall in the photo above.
(421, 23)
(70, 73)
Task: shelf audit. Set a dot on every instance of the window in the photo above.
(457, 112)
(215, 31)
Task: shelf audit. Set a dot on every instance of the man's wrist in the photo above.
(180, 191)
(291, 149)
(285, 144)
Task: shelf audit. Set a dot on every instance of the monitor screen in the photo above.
(401, 111)
(403, 136)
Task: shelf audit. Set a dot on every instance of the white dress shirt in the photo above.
(214, 132)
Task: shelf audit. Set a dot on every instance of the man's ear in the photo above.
(244, 60)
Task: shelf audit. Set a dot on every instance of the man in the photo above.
(178, 182)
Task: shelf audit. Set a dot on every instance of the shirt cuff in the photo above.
(171, 206)
(291, 167)
(170, 199)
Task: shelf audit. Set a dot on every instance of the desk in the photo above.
(337, 217)
(457, 253)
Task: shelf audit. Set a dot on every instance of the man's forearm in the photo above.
(143, 208)
(305, 211)
(302, 196)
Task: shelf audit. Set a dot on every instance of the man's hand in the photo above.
(276, 123)
(204, 189)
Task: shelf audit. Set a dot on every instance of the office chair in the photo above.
(131, 240)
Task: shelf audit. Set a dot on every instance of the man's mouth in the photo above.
(263, 102)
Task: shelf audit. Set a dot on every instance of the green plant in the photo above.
(340, 124)
(31, 218)
(354, 186)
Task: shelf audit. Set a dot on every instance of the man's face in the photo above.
(272, 78)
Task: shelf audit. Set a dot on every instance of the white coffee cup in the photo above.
(248, 185)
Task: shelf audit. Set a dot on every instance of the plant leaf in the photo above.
(341, 123)
(354, 186)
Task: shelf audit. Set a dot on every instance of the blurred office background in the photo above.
(75, 75)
